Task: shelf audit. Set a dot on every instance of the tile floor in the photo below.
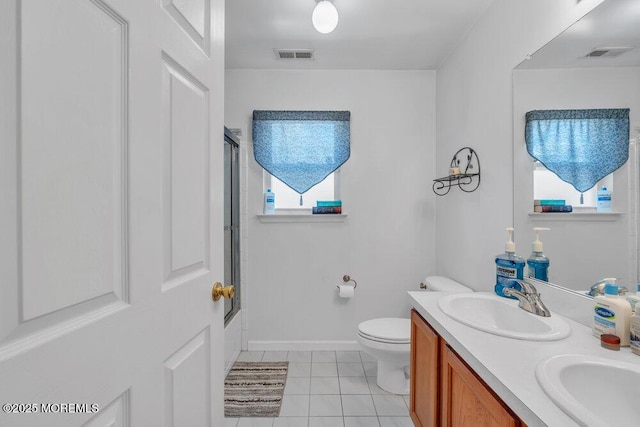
(327, 389)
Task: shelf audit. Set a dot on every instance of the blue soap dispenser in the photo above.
(509, 267)
(538, 263)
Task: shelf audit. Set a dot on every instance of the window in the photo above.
(301, 152)
(287, 199)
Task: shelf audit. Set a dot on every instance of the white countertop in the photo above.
(508, 365)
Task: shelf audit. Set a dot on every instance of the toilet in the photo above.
(388, 340)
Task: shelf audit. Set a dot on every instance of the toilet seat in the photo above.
(387, 330)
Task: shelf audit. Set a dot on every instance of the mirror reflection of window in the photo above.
(547, 185)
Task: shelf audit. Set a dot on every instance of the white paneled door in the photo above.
(111, 149)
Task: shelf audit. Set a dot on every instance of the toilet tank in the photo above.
(445, 284)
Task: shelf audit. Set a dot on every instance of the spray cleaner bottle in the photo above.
(509, 267)
(538, 263)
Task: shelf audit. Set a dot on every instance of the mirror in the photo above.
(583, 246)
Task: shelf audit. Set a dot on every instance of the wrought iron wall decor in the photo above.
(464, 172)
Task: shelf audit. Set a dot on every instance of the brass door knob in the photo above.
(219, 291)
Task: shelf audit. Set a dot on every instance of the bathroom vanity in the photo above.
(445, 390)
(462, 376)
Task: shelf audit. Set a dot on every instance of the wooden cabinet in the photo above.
(424, 373)
(445, 391)
(466, 399)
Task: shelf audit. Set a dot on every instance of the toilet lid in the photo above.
(392, 330)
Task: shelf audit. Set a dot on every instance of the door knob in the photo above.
(219, 291)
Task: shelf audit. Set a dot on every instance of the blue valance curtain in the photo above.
(301, 148)
(580, 146)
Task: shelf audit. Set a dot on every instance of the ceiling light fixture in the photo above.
(325, 16)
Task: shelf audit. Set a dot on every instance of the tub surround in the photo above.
(508, 365)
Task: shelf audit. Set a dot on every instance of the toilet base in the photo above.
(393, 377)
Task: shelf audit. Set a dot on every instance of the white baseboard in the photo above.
(303, 346)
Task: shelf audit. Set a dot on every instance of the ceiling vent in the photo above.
(608, 52)
(294, 53)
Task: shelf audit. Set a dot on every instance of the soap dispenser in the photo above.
(538, 263)
(509, 267)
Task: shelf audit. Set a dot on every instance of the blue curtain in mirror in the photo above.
(580, 146)
(301, 148)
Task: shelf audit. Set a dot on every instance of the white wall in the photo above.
(387, 241)
(581, 252)
(474, 108)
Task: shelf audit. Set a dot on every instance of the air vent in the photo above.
(294, 53)
(597, 53)
(304, 55)
(282, 54)
(608, 52)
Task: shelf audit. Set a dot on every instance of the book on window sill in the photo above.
(551, 209)
(321, 210)
(328, 203)
(549, 202)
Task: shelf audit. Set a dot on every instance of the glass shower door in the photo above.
(231, 222)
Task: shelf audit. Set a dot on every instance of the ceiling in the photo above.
(613, 24)
(371, 34)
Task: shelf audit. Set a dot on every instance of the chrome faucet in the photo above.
(529, 299)
(598, 287)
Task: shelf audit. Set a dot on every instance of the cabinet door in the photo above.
(424, 373)
(466, 400)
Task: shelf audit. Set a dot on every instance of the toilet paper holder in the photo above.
(346, 279)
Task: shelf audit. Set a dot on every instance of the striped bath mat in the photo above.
(254, 389)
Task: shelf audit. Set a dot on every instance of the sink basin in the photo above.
(580, 384)
(502, 316)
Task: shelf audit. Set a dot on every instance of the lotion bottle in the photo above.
(509, 267)
(604, 200)
(269, 207)
(612, 315)
(538, 263)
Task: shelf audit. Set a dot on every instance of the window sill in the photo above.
(575, 216)
(302, 217)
